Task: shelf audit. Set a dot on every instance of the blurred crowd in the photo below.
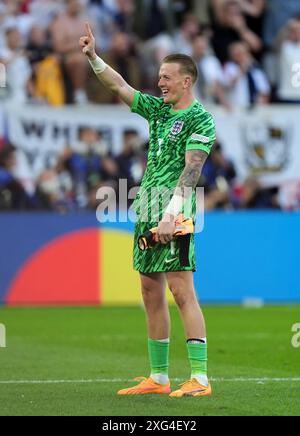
(245, 49)
(246, 52)
(80, 171)
(72, 183)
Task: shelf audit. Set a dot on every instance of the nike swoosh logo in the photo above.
(170, 260)
(195, 391)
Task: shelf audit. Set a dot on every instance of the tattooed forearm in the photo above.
(195, 159)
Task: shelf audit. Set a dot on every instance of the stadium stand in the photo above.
(246, 52)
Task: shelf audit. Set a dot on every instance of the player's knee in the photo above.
(179, 294)
(151, 296)
(182, 292)
(146, 293)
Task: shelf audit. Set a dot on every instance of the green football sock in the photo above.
(197, 353)
(159, 356)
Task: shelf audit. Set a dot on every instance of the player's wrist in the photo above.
(175, 206)
(168, 218)
(97, 64)
(91, 56)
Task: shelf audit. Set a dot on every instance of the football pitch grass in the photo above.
(71, 361)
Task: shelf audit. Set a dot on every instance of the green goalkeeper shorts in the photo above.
(163, 258)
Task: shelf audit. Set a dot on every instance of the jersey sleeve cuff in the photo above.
(134, 105)
(207, 148)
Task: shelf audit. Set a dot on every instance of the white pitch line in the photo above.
(116, 380)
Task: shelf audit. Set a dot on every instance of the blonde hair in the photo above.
(187, 64)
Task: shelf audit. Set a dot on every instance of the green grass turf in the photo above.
(110, 343)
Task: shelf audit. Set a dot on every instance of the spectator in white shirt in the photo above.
(209, 86)
(44, 11)
(15, 18)
(183, 39)
(246, 83)
(18, 70)
(289, 63)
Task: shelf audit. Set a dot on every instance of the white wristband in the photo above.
(98, 65)
(175, 206)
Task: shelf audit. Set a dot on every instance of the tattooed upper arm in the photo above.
(194, 161)
(195, 158)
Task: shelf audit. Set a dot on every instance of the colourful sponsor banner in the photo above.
(119, 282)
(63, 271)
(50, 259)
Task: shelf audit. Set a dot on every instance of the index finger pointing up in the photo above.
(88, 30)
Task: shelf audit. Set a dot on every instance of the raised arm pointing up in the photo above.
(110, 78)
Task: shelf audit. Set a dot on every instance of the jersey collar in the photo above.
(182, 111)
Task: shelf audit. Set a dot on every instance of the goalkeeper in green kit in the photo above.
(182, 134)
